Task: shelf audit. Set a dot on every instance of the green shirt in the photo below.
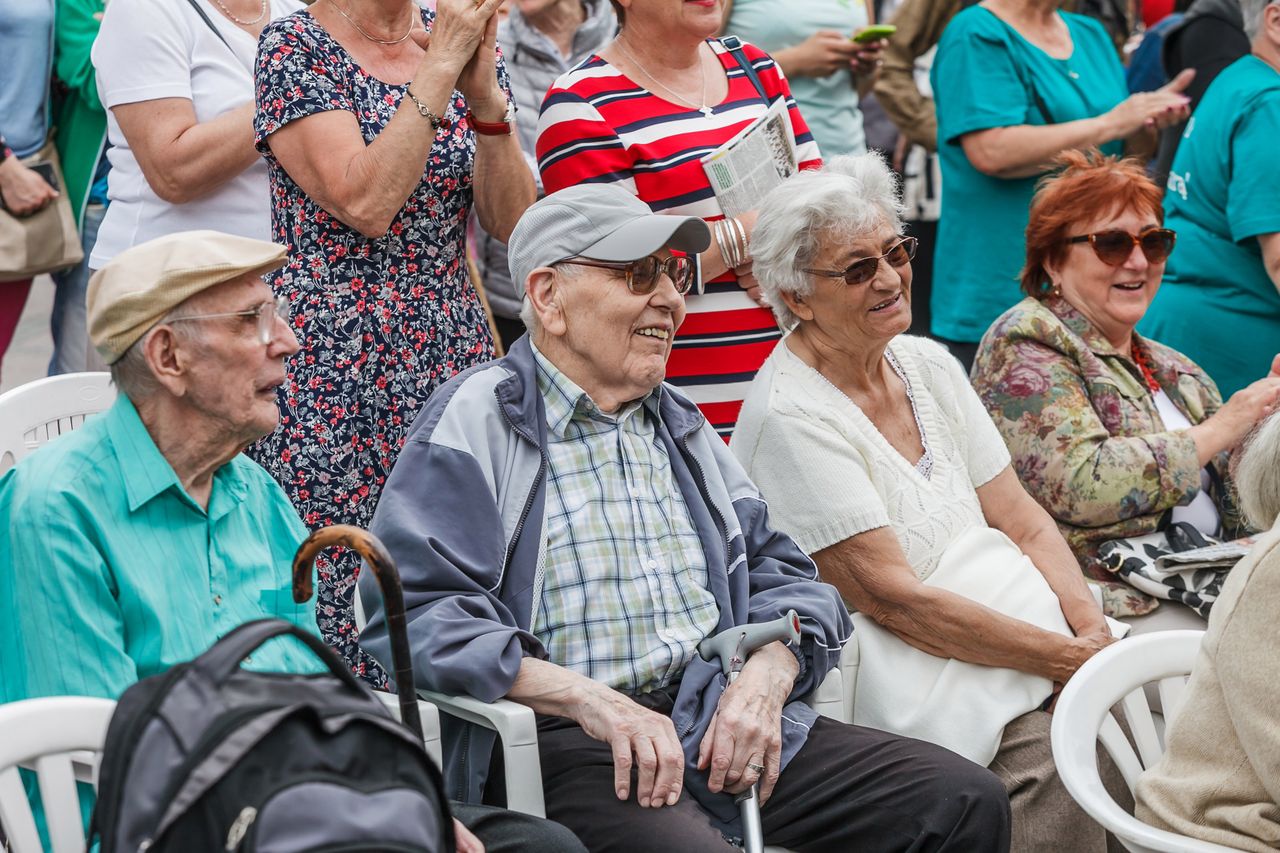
(986, 75)
(1217, 303)
(110, 572)
(829, 104)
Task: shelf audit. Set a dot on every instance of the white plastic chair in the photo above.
(1083, 717)
(39, 411)
(60, 739)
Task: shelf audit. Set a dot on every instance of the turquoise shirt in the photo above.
(986, 75)
(829, 104)
(110, 572)
(1217, 304)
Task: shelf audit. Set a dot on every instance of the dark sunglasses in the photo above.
(863, 270)
(1114, 247)
(644, 273)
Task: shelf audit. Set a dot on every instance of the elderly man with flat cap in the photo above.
(569, 528)
(135, 542)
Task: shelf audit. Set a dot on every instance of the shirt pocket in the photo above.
(1123, 407)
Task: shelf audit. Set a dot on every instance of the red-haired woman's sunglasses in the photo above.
(1114, 247)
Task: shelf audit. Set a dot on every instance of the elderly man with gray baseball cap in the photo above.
(569, 528)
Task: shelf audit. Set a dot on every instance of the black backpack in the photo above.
(208, 756)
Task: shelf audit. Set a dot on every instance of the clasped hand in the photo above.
(464, 38)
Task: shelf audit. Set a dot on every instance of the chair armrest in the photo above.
(517, 730)
(828, 698)
(850, 658)
(430, 716)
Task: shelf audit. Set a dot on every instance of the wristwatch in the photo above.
(506, 127)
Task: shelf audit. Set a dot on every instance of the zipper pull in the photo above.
(240, 827)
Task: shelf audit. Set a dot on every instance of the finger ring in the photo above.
(759, 768)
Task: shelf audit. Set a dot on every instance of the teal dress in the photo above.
(986, 75)
(829, 104)
(1217, 304)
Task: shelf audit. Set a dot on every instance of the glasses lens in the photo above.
(267, 314)
(901, 254)
(1112, 247)
(861, 272)
(680, 269)
(644, 275)
(1157, 245)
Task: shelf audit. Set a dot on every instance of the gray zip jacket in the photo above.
(463, 515)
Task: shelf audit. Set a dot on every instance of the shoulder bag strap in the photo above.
(733, 44)
(204, 17)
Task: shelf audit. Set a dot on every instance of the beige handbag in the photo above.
(45, 241)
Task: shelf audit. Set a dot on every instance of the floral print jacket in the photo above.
(1086, 438)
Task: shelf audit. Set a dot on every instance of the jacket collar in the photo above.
(590, 35)
(1167, 364)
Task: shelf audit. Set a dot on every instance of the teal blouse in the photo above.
(1217, 303)
(986, 75)
(829, 104)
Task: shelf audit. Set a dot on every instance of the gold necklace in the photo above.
(704, 109)
(262, 13)
(361, 31)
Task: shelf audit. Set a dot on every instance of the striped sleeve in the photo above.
(575, 143)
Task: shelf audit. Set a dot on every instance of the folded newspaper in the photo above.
(754, 161)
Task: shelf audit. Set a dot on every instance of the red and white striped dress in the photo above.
(597, 125)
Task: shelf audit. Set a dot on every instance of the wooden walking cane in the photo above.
(384, 570)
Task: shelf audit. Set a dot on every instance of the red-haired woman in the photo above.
(1114, 434)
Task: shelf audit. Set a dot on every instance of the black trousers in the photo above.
(504, 831)
(848, 788)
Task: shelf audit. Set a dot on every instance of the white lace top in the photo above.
(828, 474)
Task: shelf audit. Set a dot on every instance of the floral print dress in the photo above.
(1086, 438)
(382, 321)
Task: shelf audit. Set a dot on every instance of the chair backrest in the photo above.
(50, 736)
(40, 411)
(1083, 717)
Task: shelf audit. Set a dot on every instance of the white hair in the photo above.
(852, 194)
(132, 374)
(1257, 475)
(1251, 12)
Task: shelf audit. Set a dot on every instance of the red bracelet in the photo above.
(489, 128)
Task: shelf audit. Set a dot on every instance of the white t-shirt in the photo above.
(151, 49)
(828, 473)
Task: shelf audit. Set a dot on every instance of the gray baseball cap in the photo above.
(602, 222)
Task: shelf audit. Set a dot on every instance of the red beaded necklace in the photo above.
(1144, 365)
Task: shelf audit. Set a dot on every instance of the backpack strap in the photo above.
(224, 657)
(733, 44)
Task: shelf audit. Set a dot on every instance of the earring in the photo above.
(1055, 289)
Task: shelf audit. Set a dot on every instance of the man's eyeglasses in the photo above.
(863, 270)
(265, 313)
(644, 273)
(1114, 247)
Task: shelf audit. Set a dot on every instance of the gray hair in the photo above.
(852, 194)
(1257, 475)
(1251, 11)
(132, 374)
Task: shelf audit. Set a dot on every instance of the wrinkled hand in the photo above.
(1153, 110)
(638, 737)
(459, 27)
(868, 57)
(478, 81)
(467, 842)
(24, 190)
(747, 281)
(1084, 647)
(747, 726)
(820, 55)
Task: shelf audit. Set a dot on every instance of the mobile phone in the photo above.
(44, 170)
(875, 32)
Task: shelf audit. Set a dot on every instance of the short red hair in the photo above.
(1088, 186)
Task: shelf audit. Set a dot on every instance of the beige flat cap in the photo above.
(140, 285)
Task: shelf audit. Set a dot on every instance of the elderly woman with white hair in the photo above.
(878, 458)
(1217, 780)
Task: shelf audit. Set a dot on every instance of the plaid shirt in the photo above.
(624, 596)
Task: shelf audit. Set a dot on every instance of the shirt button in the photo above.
(635, 493)
(217, 599)
(653, 564)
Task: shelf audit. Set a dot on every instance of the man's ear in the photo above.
(543, 289)
(167, 357)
